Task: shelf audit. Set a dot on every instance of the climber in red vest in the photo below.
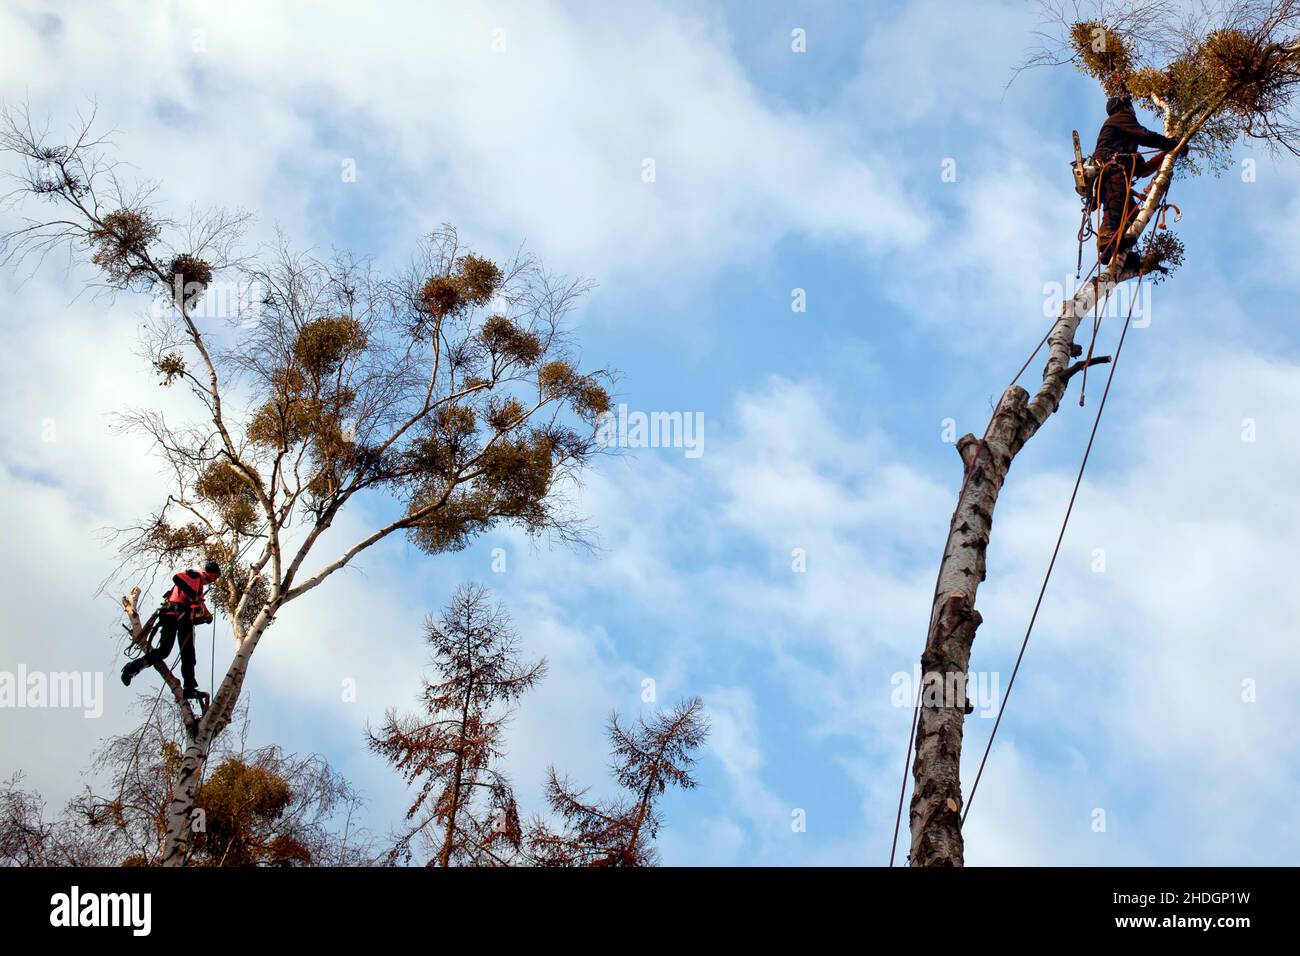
(182, 609)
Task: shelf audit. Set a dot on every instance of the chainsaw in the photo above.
(1085, 171)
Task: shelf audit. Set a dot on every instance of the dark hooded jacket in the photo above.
(1122, 133)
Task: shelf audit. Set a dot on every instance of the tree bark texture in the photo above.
(936, 805)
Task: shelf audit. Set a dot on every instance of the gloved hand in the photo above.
(1150, 166)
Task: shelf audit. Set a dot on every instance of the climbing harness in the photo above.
(1164, 208)
(1092, 203)
(1098, 311)
(1089, 175)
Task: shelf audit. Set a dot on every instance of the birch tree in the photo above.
(1226, 73)
(447, 389)
(259, 807)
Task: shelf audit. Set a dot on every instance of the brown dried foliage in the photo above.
(190, 276)
(470, 284)
(261, 807)
(648, 758)
(464, 811)
(120, 243)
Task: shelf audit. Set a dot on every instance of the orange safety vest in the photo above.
(193, 580)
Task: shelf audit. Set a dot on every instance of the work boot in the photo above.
(193, 693)
(129, 671)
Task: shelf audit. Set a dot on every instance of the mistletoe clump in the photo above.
(175, 541)
(1101, 52)
(326, 343)
(1150, 84)
(223, 487)
(1162, 254)
(1255, 79)
(190, 276)
(170, 366)
(470, 284)
(505, 339)
(559, 380)
(120, 243)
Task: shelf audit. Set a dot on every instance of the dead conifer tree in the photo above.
(465, 808)
(1228, 72)
(620, 832)
(448, 389)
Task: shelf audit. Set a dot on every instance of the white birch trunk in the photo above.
(201, 733)
(936, 806)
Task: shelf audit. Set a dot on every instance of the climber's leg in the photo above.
(1114, 192)
(186, 632)
(168, 623)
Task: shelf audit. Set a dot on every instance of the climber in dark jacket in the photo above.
(1119, 139)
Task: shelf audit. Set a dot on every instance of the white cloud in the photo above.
(544, 139)
(1131, 699)
(1131, 695)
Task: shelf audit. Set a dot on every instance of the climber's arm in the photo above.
(1149, 166)
(1134, 130)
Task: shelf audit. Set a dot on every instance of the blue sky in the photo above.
(824, 430)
